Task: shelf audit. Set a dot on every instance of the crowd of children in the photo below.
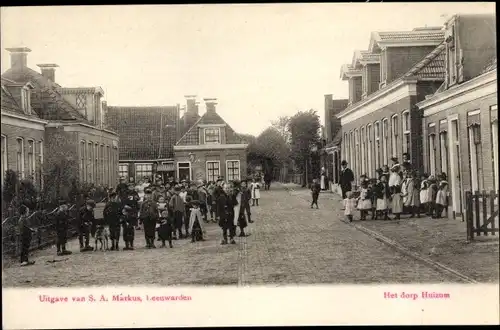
(398, 190)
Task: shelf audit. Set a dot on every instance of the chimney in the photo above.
(48, 71)
(18, 57)
(191, 108)
(210, 104)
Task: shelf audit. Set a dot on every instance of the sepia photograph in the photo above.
(222, 147)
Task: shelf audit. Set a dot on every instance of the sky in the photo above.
(260, 61)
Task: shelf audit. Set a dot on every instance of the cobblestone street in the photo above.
(289, 244)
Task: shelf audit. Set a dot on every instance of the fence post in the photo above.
(477, 212)
(468, 215)
(485, 212)
(492, 211)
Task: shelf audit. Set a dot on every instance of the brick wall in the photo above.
(461, 111)
(355, 89)
(328, 117)
(198, 168)
(11, 133)
(402, 59)
(372, 77)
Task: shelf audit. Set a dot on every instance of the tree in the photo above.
(304, 130)
(269, 150)
(281, 125)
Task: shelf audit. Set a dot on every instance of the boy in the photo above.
(61, 222)
(25, 233)
(315, 189)
(165, 229)
(195, 223)
(149, 217)
(246, 196)
(86, 221)
(176, 206)
(128, 222)
(112, 213)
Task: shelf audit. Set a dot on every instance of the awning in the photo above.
(165, 167)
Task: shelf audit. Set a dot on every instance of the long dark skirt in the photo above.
(242, 221)
(149, 229)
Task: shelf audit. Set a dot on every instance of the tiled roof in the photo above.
(421, 35)
(140, 129)
(8, 101)
(11, 98)
(491, 65)
(432, 66)
(47, 102)
(191, 137)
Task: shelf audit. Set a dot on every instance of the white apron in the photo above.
(255, 191)
(323, 182)
(236, 209)
(196, 214)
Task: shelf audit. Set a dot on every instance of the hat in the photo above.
(90, 202)
(112, 194)
(220, 178)
(188, 199)
(148, 191)
(343, 162)
(177, 188)
(395, 159)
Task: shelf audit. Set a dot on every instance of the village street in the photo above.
(289, 244)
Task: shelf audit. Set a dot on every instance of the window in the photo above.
(4, 157)
(20, 157)
(370, 148)
(212, 135)
(345, 145)
(377, 145)
(476, 159)
(31, 158)
(363, 148)
(406, 131)
(233, 169)
(494, 140)
(109, 165)
(89, 161)
(432, 154)
(351, 151)
(213, 170)
(82, 161)
(356, 152)
(184, 171)
(26, 100)
(81, 102)
(40, 144)
(385, 137)
(123, 171)
(96, 163)
(443, 151)
(394, 135)
(143, 171)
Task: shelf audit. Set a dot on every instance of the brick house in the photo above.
(460, 127)
(210, 148)
(72, 119)
(147, 138)
(330, 154)
(385, 83)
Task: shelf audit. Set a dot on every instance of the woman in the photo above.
(409, 194)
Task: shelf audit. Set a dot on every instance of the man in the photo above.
(225, 211)
(87, 219)
(25, 233)
(61, 223)
(112, 214)
(246, 196)
(149, 216)
(239, 216)
(267, 181)
(346, 179)
(122, 189)
(315, 190)
(176, 207)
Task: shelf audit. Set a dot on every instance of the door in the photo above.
(184, 171)
(455, 177)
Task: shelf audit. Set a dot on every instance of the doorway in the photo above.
(184, 171)
(455, 167)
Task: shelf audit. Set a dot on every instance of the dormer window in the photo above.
(26, 100)
(81, 103)
(212, 135)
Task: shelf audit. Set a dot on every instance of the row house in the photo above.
(44, 121)
(210, 148)
(381, 120)
(460, 127)
(147, 138)
(331, 152)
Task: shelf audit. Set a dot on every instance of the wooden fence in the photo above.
(481, 213)
(45, 232)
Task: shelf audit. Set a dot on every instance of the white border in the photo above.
(206, 169)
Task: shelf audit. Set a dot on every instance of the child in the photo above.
(382, 193)
(195, 222)
(176, 206)
(187, 214)
(397, 202)
(162, 205)
(62, 224)
(424, 185)
(349, 206)
(373, 197)
(315, 190)
(255, 192)
(165, 228)
(364, 203)
(25, 233)
(128, 222)
(202, 197)
(441, 197)
(431, 195)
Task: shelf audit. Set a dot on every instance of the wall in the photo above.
(482, 104)
(202, 156)
(401, 59)
(93, 109)
(372, 75)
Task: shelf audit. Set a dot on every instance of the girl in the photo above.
(25, 233)
(382, 192)
(349, 206)
(408, 194)
(373, 197)
(424, 185)
(441, 197)
(394, 177)
(364, 203)
(255, 192)
(397, 202)
(128, 221)
(431, 195)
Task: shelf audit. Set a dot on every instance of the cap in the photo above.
(112, 194)
(188, 198)
(343, 162)
(90, 202)
(177, 188)
(148, 191)
(195, 202)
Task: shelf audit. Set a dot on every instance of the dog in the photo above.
(102, 236)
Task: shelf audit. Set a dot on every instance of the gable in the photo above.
(192, 136)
